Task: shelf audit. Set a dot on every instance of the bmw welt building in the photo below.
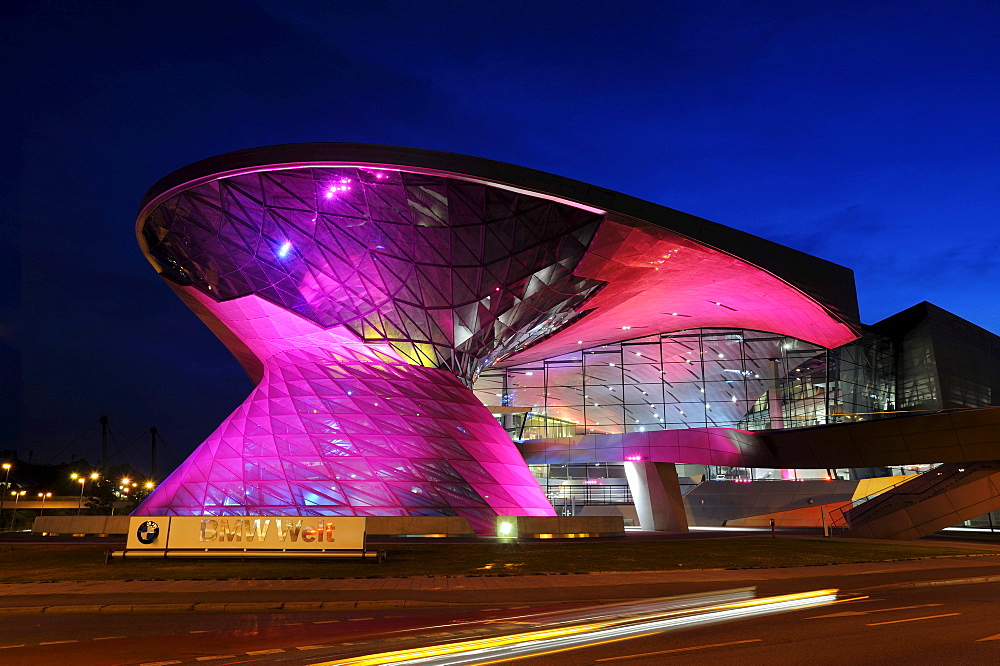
(431, 334)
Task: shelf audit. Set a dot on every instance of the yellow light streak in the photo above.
(567, 649)
(399, 656)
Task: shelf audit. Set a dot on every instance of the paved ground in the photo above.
(931, 625)
(305, 621)
(124, 596)
(904, 618)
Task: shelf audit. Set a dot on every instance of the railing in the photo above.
(905, 493)
(838, 517)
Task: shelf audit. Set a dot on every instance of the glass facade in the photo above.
(366, 300)
(452, 274)
(571, 487)
(943, 361)
(726, 378)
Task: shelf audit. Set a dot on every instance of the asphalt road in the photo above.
(43, 640)
(955, 624)
(943, 625)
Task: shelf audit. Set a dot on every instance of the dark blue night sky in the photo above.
(864, 133)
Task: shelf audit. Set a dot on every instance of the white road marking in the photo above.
(159, 663)
(913, 619)
(325, 621)
(883, 610)
(876, 610)
(5, 647)
(292, 624)
(359, 619)
(313, 647)
(199, 631)
(213, 657)
(57, 642)
(271, 651)
(683, 649)
(994, 637)
(107, 638)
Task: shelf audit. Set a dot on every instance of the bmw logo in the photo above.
(147, 532)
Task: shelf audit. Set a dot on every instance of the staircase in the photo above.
(924, 503)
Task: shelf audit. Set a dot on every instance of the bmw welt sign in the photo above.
(247, 533)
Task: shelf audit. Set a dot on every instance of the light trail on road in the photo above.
(576, 636)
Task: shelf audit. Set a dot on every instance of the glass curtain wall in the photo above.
(698, 378)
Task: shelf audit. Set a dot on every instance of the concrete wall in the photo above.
(979, 495)
(81, 524)
(715, 503)
(418, 526)
(657, 494)
(811, 516)
(568, 526)
(626, 511)
(961, 436)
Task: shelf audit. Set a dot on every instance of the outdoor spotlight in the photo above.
(506, 527)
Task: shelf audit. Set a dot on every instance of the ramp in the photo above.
(926, 503)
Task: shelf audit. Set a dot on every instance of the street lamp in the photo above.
(6, 484)
(44, 497)
(82, 481)
(17, 496)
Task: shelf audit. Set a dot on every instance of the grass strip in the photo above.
(78, 562)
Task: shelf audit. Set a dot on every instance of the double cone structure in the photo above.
(364, 289)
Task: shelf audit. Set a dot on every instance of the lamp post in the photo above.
(6, 484)
(76, 477)
(44, 497)
(82, 481)
(17, 496)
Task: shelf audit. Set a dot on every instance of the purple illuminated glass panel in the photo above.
(452, 274)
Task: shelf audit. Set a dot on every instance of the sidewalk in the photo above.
(341, 594)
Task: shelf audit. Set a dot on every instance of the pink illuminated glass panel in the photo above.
(339, 427)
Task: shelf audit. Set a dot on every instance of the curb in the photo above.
(932, 583)
(233, 607)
